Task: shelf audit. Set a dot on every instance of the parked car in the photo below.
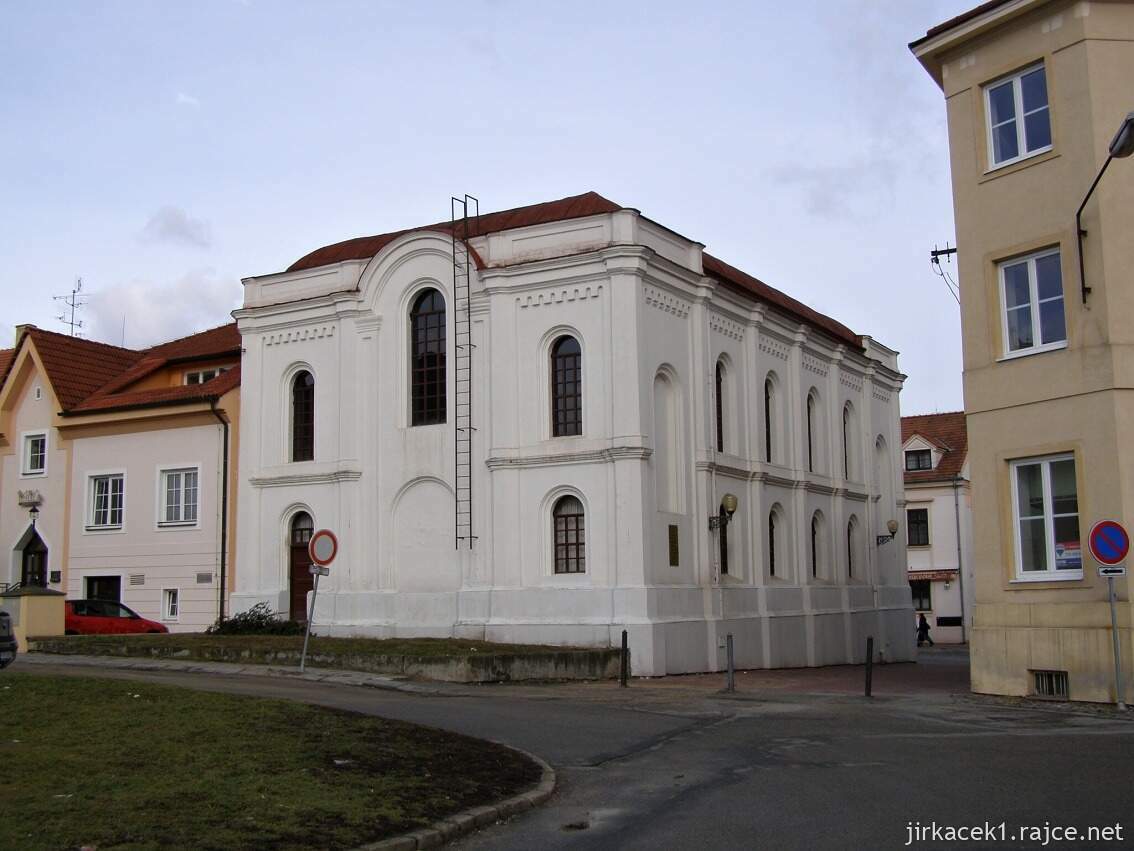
(8, 645)
(105, 617)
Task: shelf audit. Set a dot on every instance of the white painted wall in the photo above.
(635, 297)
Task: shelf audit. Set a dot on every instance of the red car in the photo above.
(105, 617)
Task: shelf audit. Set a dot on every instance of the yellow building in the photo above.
(1035, 91)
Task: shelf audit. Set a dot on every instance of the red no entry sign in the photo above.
(323, 547)
(1109, 542)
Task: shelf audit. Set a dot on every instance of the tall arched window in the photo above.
(811, 424)
(566, 387)
(772, 542)
(852, 546)
(814, 545)
(569, 534)
(846, 441)
(303, 417)
(667, 456)
(722, 539)
(820, 552)
(427, 359)
(719, 386)
(769, 401)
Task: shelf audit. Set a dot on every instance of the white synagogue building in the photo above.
(522, 427)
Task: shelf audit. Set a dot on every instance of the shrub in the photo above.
(259, 620)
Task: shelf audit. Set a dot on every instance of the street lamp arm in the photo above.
(1080, 233)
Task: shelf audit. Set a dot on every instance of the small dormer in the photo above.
(919, 455)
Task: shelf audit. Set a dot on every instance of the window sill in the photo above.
(920, 547)
(178, 524)
(1040, 155)
(35, 474)
(97, 530)
(1065, 576)
(1034, 350)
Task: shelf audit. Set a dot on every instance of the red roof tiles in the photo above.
(945, 431)
(578, 206)
(89, 376)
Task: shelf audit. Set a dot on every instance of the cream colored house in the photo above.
(1035, 91)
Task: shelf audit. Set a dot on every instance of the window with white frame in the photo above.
(1031, 290)
(200, 376)
(1019, 121)
(1046, 508)
(178, 497)
(35, 454)
(107, 501)
(170, 604)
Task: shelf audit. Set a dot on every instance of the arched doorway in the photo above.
(300, 564)
(33, 562)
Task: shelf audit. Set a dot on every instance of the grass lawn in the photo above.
(202, 643)
(120, 764)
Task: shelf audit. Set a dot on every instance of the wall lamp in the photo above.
(1121, 146)
(728, 508)
(892, 526)
(33, 512)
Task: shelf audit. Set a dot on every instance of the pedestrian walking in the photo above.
(923, 631)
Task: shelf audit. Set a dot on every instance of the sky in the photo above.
(163, 151)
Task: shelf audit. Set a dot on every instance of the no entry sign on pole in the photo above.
(322, 548)
(1109, 542)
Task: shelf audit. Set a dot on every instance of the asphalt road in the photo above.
(660, 766)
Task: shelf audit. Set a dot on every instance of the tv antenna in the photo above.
(72, 302)
(935, 262)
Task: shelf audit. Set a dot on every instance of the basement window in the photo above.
(1050, 684)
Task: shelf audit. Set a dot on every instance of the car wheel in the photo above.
(70, 632)
(153, 632)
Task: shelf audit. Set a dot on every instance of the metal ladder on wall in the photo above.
(459, 215)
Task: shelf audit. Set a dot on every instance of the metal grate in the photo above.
(204, 579)
(1050, 684)
(137, 579)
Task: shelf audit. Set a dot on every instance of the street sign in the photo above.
(316, 570)
(1112, 570)
(323, 547)
(1109, 542)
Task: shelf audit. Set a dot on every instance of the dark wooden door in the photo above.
(301, 579)
(34, 563)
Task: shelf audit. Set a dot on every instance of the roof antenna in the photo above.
(72, 302)
(935, 261)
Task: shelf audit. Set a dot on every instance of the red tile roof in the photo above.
(945, 431)
(578, 206)
(89, 376)
(157, 396)
(962, 18)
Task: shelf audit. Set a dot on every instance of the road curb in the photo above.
(465, 822)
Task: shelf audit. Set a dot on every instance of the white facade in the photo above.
(946, 561)
(652, 328)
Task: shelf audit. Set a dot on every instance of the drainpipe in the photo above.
(224, 507)
(960, 565)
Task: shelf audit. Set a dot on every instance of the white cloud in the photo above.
(188, 100)
(172, 224)
(157, 312)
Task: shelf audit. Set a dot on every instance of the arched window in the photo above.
(769, 401)
(566, 387)
(722, 538)
(303, 417)
(814, 545)
(772, 542)
(846, 441)
(427, 359)
(569, 534)
(720, 406)
(852, 546)
(302, 528)
(820, 562)
(667, 456)
(811, 416)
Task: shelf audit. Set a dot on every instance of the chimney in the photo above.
(21, 330)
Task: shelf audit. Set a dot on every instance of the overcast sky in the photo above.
(163, 151)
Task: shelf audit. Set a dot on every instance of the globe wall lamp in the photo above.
(892, 527)
(1121, 146)
(728, 508)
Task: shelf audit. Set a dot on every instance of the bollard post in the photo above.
(869, 663)
(625, 672)
(731, 687)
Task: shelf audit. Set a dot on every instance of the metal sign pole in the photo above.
(310, 617)
(1119, 687)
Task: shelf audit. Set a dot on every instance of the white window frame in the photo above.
(1018, 100)
(25, 455)
(163, 494)
(176, 596)
(1051, 574)
(1034, 303)
(92, 479)
(215, 370)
